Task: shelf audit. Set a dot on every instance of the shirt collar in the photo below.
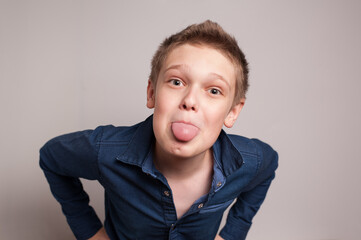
(140, 145)
(226, 154)
(227, 158)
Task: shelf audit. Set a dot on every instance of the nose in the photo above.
(190, 101)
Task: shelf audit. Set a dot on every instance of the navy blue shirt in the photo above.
(138, 199)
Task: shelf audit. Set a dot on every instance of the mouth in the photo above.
(183, 131)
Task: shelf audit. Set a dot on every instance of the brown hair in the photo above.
(212, 35)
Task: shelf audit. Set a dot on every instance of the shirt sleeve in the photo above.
(240, 216)
(64, 160)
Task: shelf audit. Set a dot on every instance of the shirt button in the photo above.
(166, 193)
(200, 205)
(219, 184)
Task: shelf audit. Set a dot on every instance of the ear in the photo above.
(150, 95)
(233, 113)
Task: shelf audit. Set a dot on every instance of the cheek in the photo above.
(166, 101)
(216, 116)
(163, 109)
(159, 102)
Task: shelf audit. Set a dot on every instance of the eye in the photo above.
(215, 91)
(176, 82)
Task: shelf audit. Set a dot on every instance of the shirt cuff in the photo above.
(234, 230)
(86, 225)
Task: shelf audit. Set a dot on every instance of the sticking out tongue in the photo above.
(184, 132)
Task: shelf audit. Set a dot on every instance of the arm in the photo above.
(100, 235)
(64, 160)
(240, 216)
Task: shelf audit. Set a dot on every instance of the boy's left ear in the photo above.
(233, 113)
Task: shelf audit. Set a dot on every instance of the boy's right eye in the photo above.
(176, 82)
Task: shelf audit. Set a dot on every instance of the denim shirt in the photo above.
(138, 199)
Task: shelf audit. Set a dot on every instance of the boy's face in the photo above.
(192, 100)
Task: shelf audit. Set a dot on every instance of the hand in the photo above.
(100, 235)
(218, 238)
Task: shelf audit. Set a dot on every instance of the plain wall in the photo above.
(73, 65)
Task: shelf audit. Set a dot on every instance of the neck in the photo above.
(175, 167)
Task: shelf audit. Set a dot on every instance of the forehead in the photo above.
(200, 58)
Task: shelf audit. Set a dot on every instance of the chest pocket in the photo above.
(216, 207)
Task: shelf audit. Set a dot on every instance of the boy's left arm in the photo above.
(240, 216)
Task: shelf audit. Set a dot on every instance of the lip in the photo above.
(186, 119)
(186, 122)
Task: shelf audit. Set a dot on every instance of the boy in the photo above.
(173, 175)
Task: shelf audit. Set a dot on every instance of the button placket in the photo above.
(170, 215)
(172, 227)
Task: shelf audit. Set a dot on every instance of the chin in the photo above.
(186, 149)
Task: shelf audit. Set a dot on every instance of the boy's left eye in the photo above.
(214, 91)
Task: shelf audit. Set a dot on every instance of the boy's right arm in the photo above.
(64, 160)
(100, 235)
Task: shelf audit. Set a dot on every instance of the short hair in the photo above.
(211, 35)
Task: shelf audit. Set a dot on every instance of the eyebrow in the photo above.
(178, 66)
(220, 77)
(186, 68)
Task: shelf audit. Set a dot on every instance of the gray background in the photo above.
(73, 65)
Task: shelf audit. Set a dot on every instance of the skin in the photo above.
(100, 235)
(196, 85)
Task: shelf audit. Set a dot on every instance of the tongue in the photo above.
(184, 132)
